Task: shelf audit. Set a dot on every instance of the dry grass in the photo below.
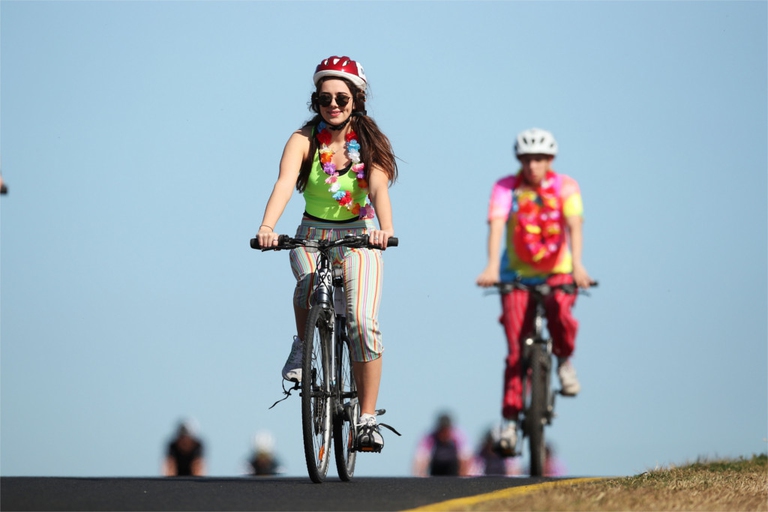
(728, 485)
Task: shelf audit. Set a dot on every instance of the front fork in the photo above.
(340, 308)
(325, 297)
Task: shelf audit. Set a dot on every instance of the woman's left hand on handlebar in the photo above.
(581, 277)
(379, 237)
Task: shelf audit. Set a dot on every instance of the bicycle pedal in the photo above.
(364, 449)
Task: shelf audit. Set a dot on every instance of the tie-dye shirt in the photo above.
(503, 198)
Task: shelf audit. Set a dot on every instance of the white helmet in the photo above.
(535, 142)
(264, 441)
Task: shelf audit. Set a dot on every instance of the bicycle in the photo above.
(536, 362)
(329, 402)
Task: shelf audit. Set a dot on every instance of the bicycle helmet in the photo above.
(342, 67)
(187, 427)
(264, 442)
(535, 142)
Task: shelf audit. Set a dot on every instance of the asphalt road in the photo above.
(57, 493)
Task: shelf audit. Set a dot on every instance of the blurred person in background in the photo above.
(488, 462)
(553, 465)
(184, 456)
(443, 452)
(263, 461)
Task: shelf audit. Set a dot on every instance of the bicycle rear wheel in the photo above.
(348, 412)
(316, 393)
(536, 415)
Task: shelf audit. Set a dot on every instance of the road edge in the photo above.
(453, 504)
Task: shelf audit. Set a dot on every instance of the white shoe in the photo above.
(292, 368)
(569, 384)
(507, 439)
(368, 437)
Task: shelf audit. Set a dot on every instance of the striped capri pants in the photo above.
(363, 273)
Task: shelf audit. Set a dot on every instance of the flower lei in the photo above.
(538, 233)
(352, 147)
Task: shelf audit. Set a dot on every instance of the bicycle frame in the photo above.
(536, 368)
(535, 345)
(324, 295)
(329, 294)
(328, 386)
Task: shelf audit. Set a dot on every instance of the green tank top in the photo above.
(319, 201)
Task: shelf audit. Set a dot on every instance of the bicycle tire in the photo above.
(316, 400)
(536, 416)
(348, 413)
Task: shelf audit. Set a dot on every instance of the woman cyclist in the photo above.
(343, 165)
(541, 213)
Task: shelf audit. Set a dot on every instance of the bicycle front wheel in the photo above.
(347, 413)
(536, 416)
(316, 393)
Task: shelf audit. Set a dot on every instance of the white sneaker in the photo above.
(368, 438)
(507, 439)
(569, 384)
(292, 368)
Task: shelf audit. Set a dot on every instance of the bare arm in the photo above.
(491, 273)
(465, 465)
(295, 151)
(420, 465)
(421, 459)
(378, 190)
(169, 466)
(580, 275)
(198, 467)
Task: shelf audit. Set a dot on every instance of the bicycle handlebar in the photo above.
(542, 288)
(286, 242)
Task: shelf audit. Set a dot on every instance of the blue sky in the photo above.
(140, 141)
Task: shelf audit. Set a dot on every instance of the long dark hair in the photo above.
(375, 147)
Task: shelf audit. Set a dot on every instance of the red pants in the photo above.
(517, 316)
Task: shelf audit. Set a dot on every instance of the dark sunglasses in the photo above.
(325, 98)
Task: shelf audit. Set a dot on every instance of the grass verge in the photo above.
(723, 485)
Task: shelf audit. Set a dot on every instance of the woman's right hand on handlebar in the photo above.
(488, 277)
(267, 237)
